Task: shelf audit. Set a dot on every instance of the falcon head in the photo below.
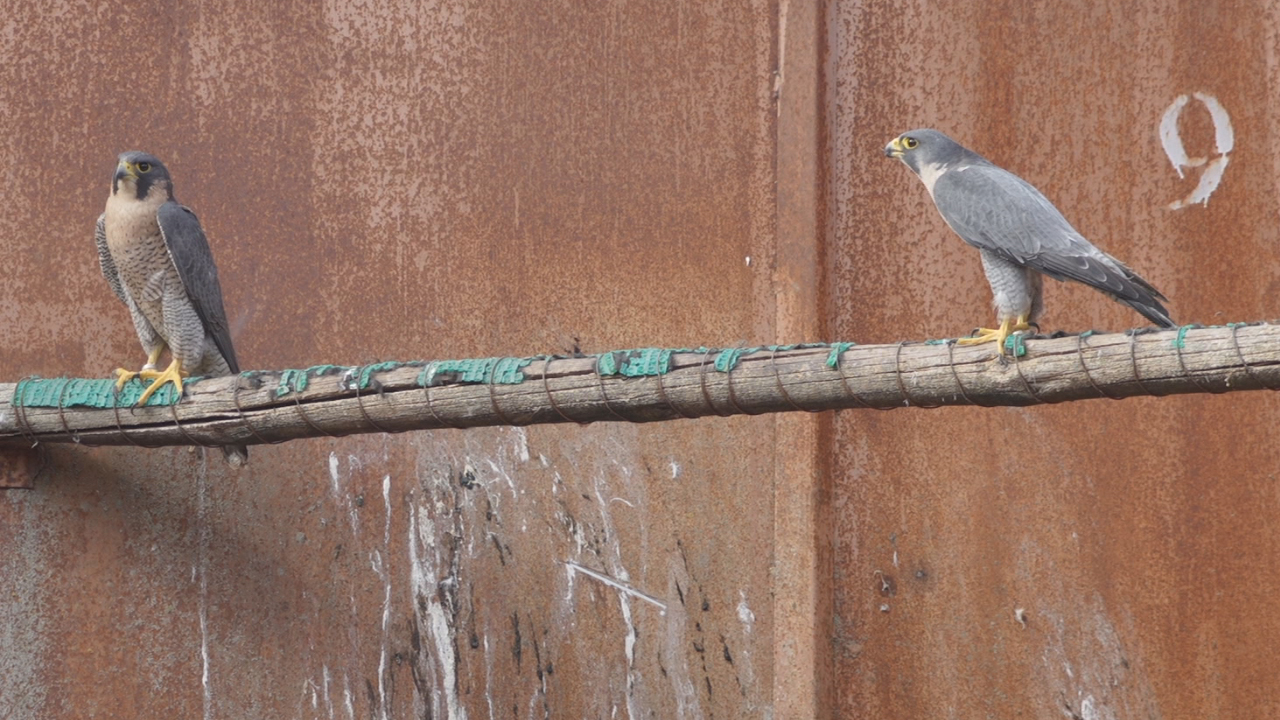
(929, 154)
(138, 173)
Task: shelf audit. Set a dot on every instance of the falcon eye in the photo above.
(144, 167)
(909, 143)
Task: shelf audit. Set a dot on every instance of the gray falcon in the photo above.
(1020, 234)
(156, 258)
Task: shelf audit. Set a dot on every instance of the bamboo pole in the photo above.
(657, 385)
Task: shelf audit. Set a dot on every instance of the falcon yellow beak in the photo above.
(894, 148)
(125, 170)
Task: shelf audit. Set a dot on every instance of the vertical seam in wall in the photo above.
(802, 617)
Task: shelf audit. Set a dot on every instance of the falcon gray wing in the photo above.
(189, 249)
(997, 211)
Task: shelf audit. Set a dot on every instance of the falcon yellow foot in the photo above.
(123, 376)
(996, 335)
(172, 374)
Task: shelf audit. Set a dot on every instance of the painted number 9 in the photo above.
(1224, 140)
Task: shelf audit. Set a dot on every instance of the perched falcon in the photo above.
(1020, 234)
(155, 256)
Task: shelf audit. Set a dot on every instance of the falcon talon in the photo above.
(1020, 235)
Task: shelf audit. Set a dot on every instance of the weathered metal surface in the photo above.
(1077, 560)
(456, 179)
(18, 469)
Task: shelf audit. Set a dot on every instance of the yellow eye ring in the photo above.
(910, 143)
(144, 167)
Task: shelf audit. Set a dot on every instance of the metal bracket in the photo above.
(18, 469)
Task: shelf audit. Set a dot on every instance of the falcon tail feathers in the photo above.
(1152, 310)
(237, 456)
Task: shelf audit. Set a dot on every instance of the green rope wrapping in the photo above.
(90, 393)
(641, 362)
(1016, 344)
(1180, 342)
(728, 359)
(297, 380)
(837, 349)
(498, 370)
(366, 372)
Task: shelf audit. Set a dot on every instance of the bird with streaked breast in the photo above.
(156, 258)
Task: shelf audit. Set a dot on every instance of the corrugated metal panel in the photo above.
(1137, 537)
(394, 181)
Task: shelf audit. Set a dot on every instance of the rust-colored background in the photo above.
(408, 180)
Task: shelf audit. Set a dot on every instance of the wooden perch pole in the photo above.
(654, 385)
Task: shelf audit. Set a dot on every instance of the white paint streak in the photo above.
(522, 444)
(629, 648)
(423, 581)
(386, 599)
(621, 587)
(675, 469)
(1090, 710)
(204, 649)
(499, 471)
(386, 501)
(334, 484)
(328, 702)
(310, 692)
(745, 616)
(346, 698)
(202, 517)
(488, 678)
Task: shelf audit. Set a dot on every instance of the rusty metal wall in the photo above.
(1138, 538)
(394, 181)
(403, 180)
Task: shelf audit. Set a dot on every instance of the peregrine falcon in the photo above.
(1020, 234)
(155, 256)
